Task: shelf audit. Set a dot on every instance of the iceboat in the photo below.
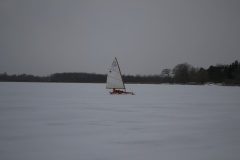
(115, 81)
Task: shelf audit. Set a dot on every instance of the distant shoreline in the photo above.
(226, 75)
(189, 84)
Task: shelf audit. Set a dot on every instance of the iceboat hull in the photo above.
(123, 93)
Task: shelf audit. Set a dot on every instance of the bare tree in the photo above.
(181, 73)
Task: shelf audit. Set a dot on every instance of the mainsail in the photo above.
(114, 77)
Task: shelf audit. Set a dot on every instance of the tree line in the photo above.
(187, 74)
(181, 74)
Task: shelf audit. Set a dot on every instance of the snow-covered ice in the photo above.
(50, 121)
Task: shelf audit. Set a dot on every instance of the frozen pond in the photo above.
(49, 121)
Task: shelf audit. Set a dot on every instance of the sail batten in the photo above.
(114, 78)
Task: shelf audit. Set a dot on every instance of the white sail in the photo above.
(114, 77)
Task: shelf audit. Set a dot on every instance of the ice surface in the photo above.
(47, 121)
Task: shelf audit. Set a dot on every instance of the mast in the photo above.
(120, 73)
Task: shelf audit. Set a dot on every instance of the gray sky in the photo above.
(42, 37)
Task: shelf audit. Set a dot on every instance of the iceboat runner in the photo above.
(115, 81)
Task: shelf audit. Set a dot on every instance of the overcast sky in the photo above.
(42, 37)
